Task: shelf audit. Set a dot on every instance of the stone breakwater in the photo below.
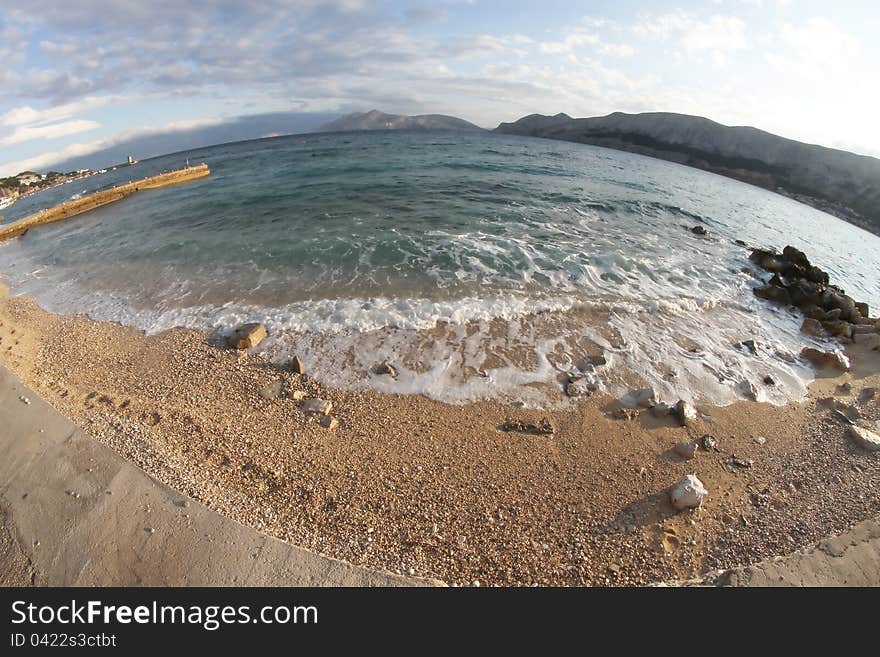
(828, 311)
(104, 197)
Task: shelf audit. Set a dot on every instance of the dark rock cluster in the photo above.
(828, 310)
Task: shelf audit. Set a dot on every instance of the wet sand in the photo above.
(419, 487)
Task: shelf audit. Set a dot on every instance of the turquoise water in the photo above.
(448, 253)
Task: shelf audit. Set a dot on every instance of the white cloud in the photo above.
(569, 43)
(50, 131)
(617, 49)
(819, 39)
(717, 35)
(25, 115)
(45, 160)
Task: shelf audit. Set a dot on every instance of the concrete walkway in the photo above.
(73, 513)
(851, 559)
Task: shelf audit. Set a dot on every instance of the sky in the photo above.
(82, 75)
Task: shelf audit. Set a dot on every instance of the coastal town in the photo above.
(26, 183)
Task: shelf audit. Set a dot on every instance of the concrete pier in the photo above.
(104, 197)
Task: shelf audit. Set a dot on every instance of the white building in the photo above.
(29, 179)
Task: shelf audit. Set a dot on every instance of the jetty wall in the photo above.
(104, 197)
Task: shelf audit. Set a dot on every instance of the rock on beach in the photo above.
(316, 405)
(864, 438)
(689, 493)
(248, 336)
(819, 358)
(685, 412)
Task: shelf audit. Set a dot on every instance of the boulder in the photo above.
(316, 405)
(814, 312)
(758, 255)
(699, 230)
(773, 293)
(844, 303)
(863, 309)
(863, 329)
(685, 412)
(839, 327)
(812, 327)
(805, 294)
(796, 256)
(818, 358)
(794, 272)
(832, 315)
(864, 438)
(248, 336)
(689, 493)
(772, 263)
(816, 275)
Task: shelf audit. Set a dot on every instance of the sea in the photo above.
(479, 265)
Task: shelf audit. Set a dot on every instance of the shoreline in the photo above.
(418, 487)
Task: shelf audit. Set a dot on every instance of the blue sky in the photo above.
(82, 75)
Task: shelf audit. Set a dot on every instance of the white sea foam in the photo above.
(684, 348)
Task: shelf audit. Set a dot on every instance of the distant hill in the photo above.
(376, 120)
(842, 183)
(171, 141)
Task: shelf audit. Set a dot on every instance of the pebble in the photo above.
(760, 440)
(686, 450)
(709, 443)
(317, 405)
(685, 412)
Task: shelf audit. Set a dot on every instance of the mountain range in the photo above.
(376, 120)
(839, 182)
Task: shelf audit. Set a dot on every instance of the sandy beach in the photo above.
(418, 487)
